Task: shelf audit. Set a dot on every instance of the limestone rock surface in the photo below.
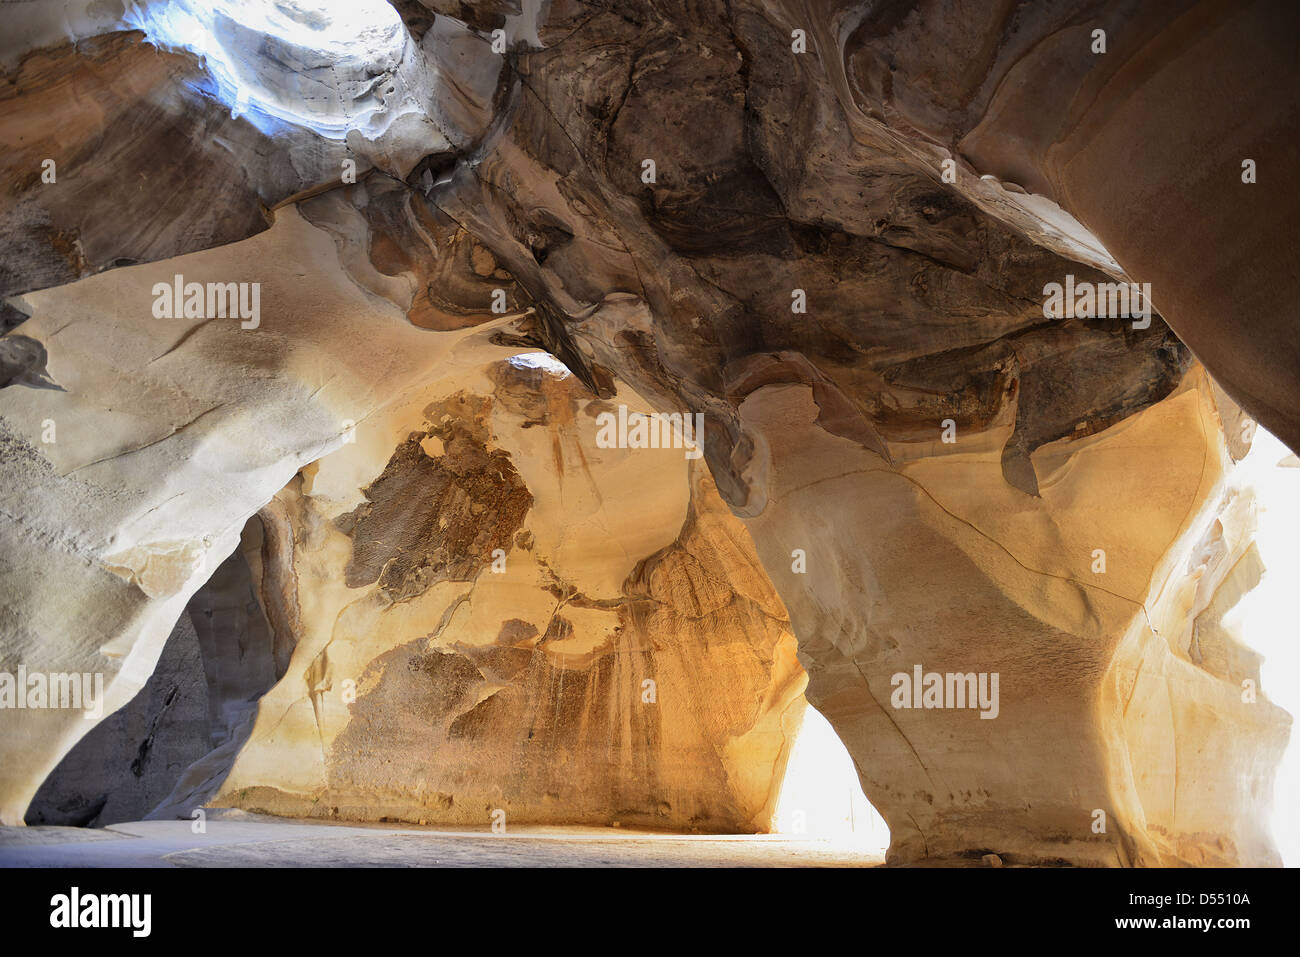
(509, 618)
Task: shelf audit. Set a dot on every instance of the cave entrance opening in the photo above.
(303, 63)
(820, 796)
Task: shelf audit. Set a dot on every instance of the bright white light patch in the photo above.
(1265, 618)
(321, 64)
(821, 798)
(540, 360)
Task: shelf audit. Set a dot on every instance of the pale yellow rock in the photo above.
(170, 434)
(623, 660)
(940, 563)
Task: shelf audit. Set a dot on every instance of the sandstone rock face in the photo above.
(126, 106)
(119, 510)
(222, 656)
(131, 760)
(175, 133)
(829, 230)
(1105, 703)
(509, 618)
(1145, 143)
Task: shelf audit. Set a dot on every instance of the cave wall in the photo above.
(864, 336)
(1104, 702)
(508, 617)
(130, 761)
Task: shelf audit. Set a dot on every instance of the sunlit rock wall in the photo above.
(1086, 601)
(503, 617)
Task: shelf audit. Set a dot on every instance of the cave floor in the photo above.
(254, 841)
